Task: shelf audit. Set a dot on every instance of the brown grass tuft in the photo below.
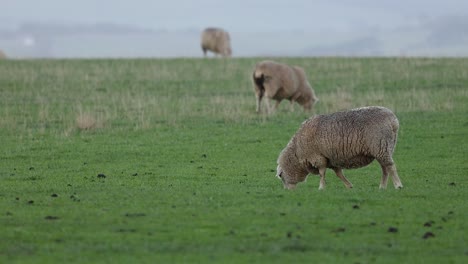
(336, 101)
(85, 121)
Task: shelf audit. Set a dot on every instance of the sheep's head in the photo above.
(290, 178)
(283, 176)
(289, 169)
(308, 105)
(307, 100)
(228, 52)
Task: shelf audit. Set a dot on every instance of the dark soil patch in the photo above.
(126, 230)
(339, 230)
(296, 247)
(428, 223)
(428, 235)
(135, 214)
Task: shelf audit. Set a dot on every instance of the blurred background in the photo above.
(153, 28)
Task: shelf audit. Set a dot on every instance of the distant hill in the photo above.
(446, 36)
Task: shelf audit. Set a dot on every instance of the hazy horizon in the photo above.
(144, 28)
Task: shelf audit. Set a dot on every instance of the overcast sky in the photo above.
(238, 15)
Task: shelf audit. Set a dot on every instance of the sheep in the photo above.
(342, 140)
(217, 41)
(2, 55)
(278, 81)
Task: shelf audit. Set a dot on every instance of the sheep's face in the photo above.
(228, 51)
(308, 105)
(289, 179)
(307, 101)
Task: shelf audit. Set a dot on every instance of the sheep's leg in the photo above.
(384, 180)
(268, 107)
(322, 178)
(339, 173)
(389, 168)
(276, 105)
(259, 101)
(396, 180)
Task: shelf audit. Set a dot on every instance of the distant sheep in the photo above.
(279, 81)
(217, 41)
(343, 140)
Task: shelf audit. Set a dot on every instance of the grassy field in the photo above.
(166, 161)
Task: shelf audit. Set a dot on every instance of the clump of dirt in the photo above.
(429, 223)
(428, 235)
(339, 230)
(135, 214)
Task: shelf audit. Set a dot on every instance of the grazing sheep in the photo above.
(217, 41)
(2, 55)
(343, 140)
(279, 81)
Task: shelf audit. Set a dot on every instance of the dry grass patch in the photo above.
(340, 99)
(233, 108)
(90, 120)
(85, 121)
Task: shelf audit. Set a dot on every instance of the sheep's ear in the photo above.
(279, 171)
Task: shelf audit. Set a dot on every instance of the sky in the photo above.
(326, 24)
(239, 15)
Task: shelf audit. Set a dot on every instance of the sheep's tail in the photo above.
(259, 83)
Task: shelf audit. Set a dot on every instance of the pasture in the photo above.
(166, 161)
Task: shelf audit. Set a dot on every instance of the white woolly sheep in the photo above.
(343, 140)
(278, 81)
(217, 41)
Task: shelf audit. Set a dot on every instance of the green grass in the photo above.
(188, 168)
